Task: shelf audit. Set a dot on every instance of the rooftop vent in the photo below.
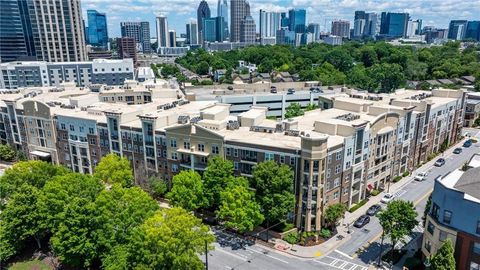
(183, 119)
(262, 129)
(233, 124)
(292, 132)
(348, 117)
(195, 120)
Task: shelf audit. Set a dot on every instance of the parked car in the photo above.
(290, 91)
(373, 209)
(387, 198)
(273, 90)
(362, 221)
(457, 150)
(467, 143)
(440, 162)
(315, 90)
(230, 87)
(422, 176)
(438, 178)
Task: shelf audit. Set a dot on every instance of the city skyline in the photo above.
(322, 12)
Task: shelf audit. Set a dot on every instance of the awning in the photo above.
(40, 153)
(370, 187)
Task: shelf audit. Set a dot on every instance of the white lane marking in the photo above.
(353, 265)
(228, 267)
(343, 253)
(270, 256)
(231, 254)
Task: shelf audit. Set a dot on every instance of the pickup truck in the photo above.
(422, 176)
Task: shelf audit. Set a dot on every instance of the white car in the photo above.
(422, 176)
(387, 198)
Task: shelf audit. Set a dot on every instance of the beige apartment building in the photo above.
(338, 155)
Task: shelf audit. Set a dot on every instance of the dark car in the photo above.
(373, 209)
(230, 87)
(290, 91)
(467, 143)
(457, 150)
(362, 221)
(440, 162)
(273, 90)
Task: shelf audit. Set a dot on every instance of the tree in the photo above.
(119, 211)
(334, 212)
(427, 209)
(113, 169)
(34, 173)
(6, 152)
(203, 68)
(388, 77)
(311, 107)
(398, 220)
(274, 189)
(216, 177)
(187, 191)
(20, 221)
(368, 56)
(293, 110)
(444, 259)
(170, 239)
(340, 59)
(157, 187)
(239, 209)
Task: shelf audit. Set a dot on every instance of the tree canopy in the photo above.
(188, 191)
(113, 169)
(444, 258)
(334, 212)
(216, 177)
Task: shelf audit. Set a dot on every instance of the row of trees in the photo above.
(372, 66)
(233, 198)
(98, 220)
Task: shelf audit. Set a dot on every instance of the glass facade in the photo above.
(394, 24)
(97, 29)
(12, 40)
(297, 20)
(473, 30)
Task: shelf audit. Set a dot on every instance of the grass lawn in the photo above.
(30, 265)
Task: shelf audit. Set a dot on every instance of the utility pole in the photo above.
(206, 255)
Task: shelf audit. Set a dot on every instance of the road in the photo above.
(233, 253)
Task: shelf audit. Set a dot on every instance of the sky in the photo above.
(179, 12)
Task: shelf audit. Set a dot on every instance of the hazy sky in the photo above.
(179, 12)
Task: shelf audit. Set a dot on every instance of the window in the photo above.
(476, 248)
(428, 245)
(91, 131)
(430, 228)
(338, 155)
(62, 126)
(235, 152)
(335, 195)
(201, 147)
(447, 216)
(349, 151)
(292, 161)
(328, 173)
(235, 165)
(229, 151)
(93, 141)
(443, 236)
(173, 142)
(72, 128)
(174, 155)
(215, 149)
(174, 168)
(338, 168)
(282, 159)
(186, 145)
(269, 156)
(348, 164)
(336, 183)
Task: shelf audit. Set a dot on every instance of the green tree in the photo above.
(217, 176)
(398, 220)
(388, 77)
(444, 258)
(113, 169)
(34, 173)
(311, 107)
(119, 211)
(7, 153)
(188, 191)
(293, 110)
(340, 59)
(333, 213)
(239, 209)
(157, 187)
(170, 239)
(202, 68)
(20, 221)
(368, 56)
(274, 189)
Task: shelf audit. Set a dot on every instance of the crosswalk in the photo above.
(408, 239)
(340, 264)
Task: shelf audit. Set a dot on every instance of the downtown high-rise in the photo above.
(239, 10)
(270, 22)
(140, 32)
(222, 11)
(203, 12)
(341, 28)
(162, 32)
(97, 33)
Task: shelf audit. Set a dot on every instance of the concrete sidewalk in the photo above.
(343, 235)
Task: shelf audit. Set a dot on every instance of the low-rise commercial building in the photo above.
(338, 155)
(454, 215)
(472, 109)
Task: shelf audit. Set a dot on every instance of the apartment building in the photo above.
(38, 73)
(454, 200)
(338, 155)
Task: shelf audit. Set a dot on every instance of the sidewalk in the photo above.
(343, 236)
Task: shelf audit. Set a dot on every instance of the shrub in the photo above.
(326, 233)
(291, 238)
(406, 173)
(7, 153)
(358, 205)
(375, 192)
(397, 178)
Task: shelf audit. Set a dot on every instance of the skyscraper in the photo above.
(127, 48)
(12, 39)
(473, 30)
(359, 28)
(59, 37)
(314, 28)
(97, 29)
(456, 29)
(203, 12)
(270, 22)
(248, 30)
(222, 11)
(140, 32)
(239, 9)
(297, 20)
(372, 27)
(172, 38)
(192, 33)
(341, 28)
(413, 28)
(394, 24)
(162, 32)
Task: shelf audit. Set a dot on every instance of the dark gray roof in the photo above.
(469, 182)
